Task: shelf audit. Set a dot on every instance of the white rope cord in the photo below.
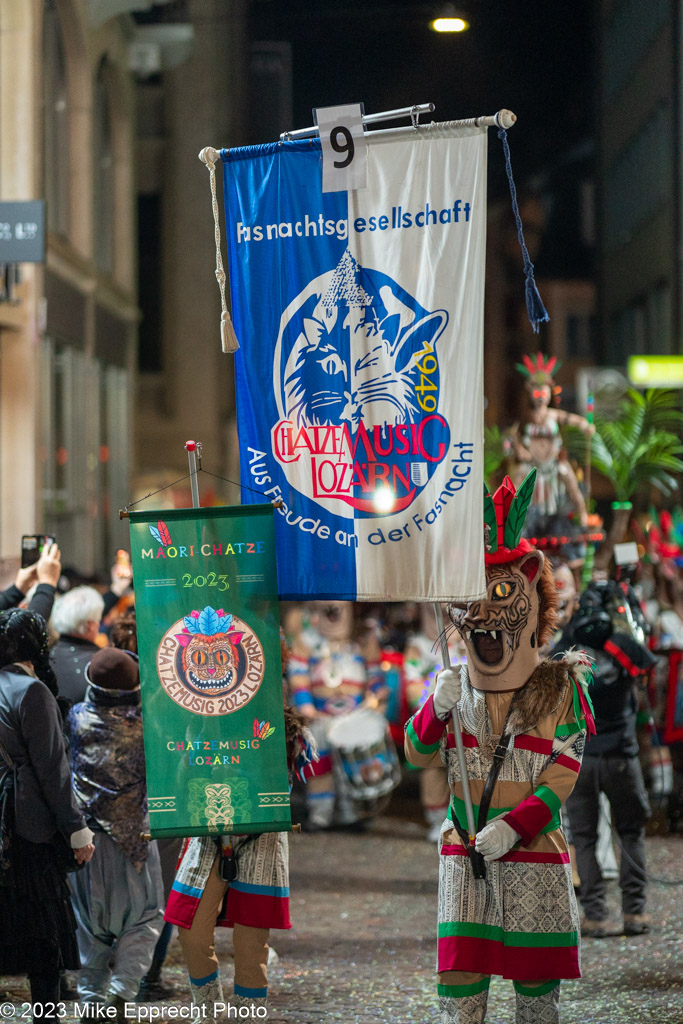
(229, 342)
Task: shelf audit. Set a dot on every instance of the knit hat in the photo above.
(113, 669)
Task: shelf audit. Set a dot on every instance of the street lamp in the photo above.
(449, 20)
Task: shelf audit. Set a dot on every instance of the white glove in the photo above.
(447, 692)
(496, 839)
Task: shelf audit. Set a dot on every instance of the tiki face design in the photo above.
(334, 619)
(566, 594)
(209, 662)
(501, 633)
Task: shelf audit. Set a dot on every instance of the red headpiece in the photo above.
(540, 371)
(504, 515)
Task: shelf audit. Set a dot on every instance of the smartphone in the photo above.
(32, 547)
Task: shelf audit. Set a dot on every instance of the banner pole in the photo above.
(590, 409)
(191, 449)
(467, 796)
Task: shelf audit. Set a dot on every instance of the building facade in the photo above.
(640, 180)
(68, 330)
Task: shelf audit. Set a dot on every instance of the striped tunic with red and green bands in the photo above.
(522, 921)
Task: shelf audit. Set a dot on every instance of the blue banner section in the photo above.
(359, 377)
(282, 233)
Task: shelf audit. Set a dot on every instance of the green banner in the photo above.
(210, 670)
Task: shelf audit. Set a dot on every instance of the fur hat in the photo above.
(113, 669)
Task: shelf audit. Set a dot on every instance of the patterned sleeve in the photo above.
(298, 678)
(423, 736)
(375, 674)
(534, 814)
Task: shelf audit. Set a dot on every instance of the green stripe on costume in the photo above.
(539, 990)
(422, 748)
(549, 798)
(462, 991)
(568, 729)
(473, 930)
(458, 809)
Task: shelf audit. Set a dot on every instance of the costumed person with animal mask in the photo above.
(523, 723)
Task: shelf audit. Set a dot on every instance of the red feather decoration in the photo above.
(163, 533)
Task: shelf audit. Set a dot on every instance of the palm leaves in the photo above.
(494, 452)
(640, 448)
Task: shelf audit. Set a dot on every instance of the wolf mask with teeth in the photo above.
(504, 632)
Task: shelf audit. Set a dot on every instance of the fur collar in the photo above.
(540, 696)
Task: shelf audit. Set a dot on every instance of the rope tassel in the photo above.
(536, 311)
(229, 342)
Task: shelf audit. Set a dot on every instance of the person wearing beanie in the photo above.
(118, 900)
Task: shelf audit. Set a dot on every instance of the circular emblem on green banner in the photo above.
(210, 662)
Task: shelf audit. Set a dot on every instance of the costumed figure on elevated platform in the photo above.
(421, 666)
(330, 676)
(538, 442)
(239, 882)
(506, 901)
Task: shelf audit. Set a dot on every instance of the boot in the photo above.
(539, 1005)
(151, 988)
(253, 1002)
(435, 818)
(117, 1001)
(463, 1009)
(637, 924)
(207, 995)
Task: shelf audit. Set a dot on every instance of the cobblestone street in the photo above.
(363, 945)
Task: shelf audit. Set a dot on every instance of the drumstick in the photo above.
(467, 796)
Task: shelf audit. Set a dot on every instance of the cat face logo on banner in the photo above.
(356, 378)
(210, 662)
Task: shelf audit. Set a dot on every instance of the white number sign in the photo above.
(343, 146)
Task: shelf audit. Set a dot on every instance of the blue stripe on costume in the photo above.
(300, 697)
(250, 993)
(187, 890)
(260, 890)
(206, 980)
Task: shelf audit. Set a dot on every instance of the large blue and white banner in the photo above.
(360, 373)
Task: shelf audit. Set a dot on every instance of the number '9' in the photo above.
(344, 146)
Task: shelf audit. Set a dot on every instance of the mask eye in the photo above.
(198, 657)
(221, 656)
(502, 590)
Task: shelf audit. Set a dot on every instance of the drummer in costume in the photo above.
(239, 882)
(523, 724)
(331, 675)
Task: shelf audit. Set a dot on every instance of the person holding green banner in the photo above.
(253, 870)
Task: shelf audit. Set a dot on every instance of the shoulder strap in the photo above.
(6, 757)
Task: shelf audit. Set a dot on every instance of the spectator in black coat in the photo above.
(76, 617)
(603, 626)
(46, 833)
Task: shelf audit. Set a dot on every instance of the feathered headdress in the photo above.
(504, 514)
(540, 371)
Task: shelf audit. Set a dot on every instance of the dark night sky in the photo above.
(535, 57)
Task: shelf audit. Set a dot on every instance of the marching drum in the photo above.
(366, 764)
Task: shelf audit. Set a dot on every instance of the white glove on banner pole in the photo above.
(447, 693)
(496, 839)
(467, 797)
